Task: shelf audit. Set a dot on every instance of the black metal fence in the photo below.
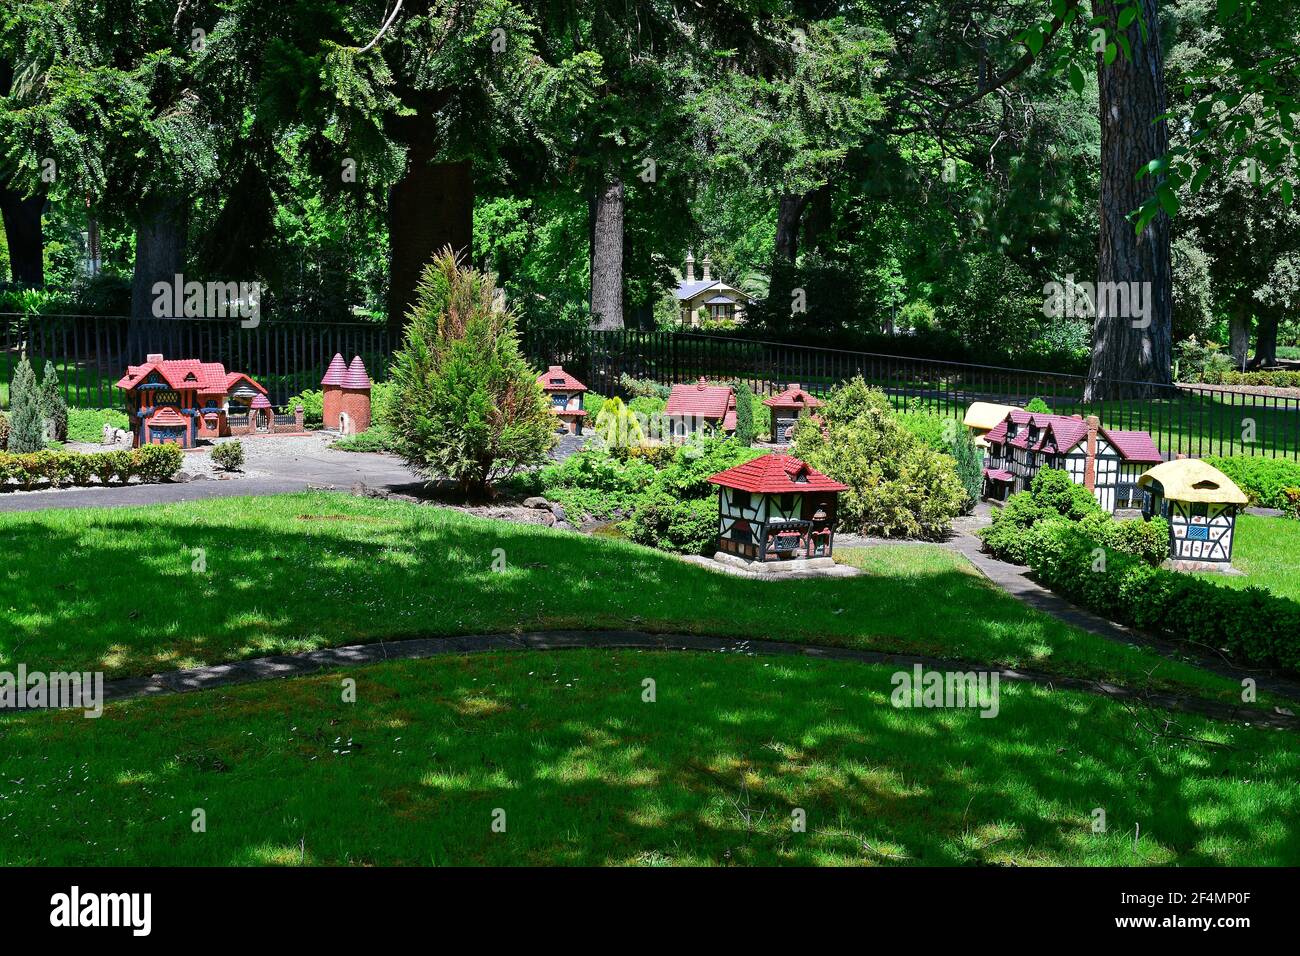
(1194, 420)
(91, 353)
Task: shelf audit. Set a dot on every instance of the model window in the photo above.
(740, 499)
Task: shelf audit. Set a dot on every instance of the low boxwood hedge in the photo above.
(1264, 480)
(152, 463)
(1252, 625)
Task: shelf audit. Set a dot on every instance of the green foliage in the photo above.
(617, 425)
(151, 463)
(643, 387)
(4, 431)
(683, 526)
(468, 406)
(26, 423)
(1038, 407)
(932, 430)
(54, 410)
(898, 487)
(1251, 625)
(312, 401)
(228, 455)
(746, 431)
(1264, 480)
(1291, 497)
(970, 462)
(87, 424)
(377, 438)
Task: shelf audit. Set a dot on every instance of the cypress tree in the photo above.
(54, 410)
(26, 424)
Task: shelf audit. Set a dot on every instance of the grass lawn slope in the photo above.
(141, 590)
(587, 772)
(1267, 551)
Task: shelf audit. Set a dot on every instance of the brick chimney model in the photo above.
(332, 391)
(707, 264)
(354, 406)
(1090, 463)
(690, 267)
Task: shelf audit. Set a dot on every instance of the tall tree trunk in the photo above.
(1128, 347)
(789, 217)
(1239, 333)
(607, 255)
(1266, 337)
(25, 236)
(431, 208)
(160, 237)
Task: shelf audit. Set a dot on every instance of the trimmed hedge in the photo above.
(1251, 625)
(1214, 375)
(1264, 480)
(152, 463)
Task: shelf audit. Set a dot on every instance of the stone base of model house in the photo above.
(825, 566)
(1216, 567)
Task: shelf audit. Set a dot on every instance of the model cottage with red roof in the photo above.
(776, 507)
(786, 408)
(179, 401)
(564, 393)
(693, 407)
(1106, 461)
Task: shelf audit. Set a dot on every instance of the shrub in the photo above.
(970, 463)
(312, 401)
(26, 424)
(663, 521)
(617, 425)
(745, 428)
(468, 406)
(1054, 490)
(4, 431)
(376, 438)
(1292, 498)
(228, 455)
(1037, 406)
(596, 483)
(643, 387)
(1251, 625)
(1264, 480)
(898, 487)
(87, 424)
(928, 427)
(157, 462)
(54, 410)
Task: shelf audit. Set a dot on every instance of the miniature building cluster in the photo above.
(723, 303)
(179, 401)
(345, 396)
(1106, 461)
(776, 508)
(564, 392)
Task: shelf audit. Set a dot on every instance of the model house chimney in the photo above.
(690, 267)
(706, 263)
(1090, 464)
(153, 358)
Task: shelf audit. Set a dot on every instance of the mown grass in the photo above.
(1267, 552)
(140, 590)
(588, 772)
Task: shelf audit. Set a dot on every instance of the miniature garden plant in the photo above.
(228, 455)
(54, 410)
(468, 406)
(26, 423)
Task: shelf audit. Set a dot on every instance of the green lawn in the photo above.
(1267, 551)
(588, 773)
(139, 590)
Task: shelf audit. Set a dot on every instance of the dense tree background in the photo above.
(915, 174)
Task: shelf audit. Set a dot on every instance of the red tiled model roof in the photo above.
(1134, 446)
(356, 376)
(260, 401)
(166, 417)
(701, 399)
(998, 474)
(555, 378)
(334, 374)
(793, 397)
(209, 378)
(776, 474)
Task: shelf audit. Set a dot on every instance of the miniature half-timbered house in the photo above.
(786, 408)
(179, 401)
(564, 394)
(774, 508)
(1106, 461)
(692, 408)
(1201, 504)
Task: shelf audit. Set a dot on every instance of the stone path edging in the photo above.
(310, 662)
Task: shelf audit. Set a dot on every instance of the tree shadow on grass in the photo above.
(588, 772)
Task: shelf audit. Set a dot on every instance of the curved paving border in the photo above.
(311, 662)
